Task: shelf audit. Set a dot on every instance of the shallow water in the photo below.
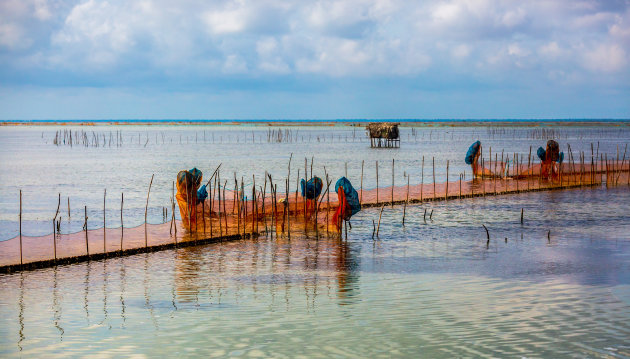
(429, 289)
(29, 161)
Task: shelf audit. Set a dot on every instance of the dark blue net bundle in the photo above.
(352, 197)
(472, 152)
(196, 175)
(541, 153)
(202, 194)
(561, 157)
(311, 189)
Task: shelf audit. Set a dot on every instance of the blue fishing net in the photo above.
(202, 194)
(561, 157)
(352, 197)
(196, 175)
(541, 153)
(311, 189)
(472, 152)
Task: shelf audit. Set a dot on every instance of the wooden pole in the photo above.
(21, 261)
(406, 201)
(54, 231)
(446, 192)
(104, 240)
(85, 225)
(377, 183)
(433, 160)
(392, 204)
(224, 211)
(122, 226)
(146, 208)
(378, 228)
(361, 195)
(422, 180)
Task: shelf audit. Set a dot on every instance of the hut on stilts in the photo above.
(384, 134)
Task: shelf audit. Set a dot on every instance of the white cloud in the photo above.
(606, 58)
(330, 37)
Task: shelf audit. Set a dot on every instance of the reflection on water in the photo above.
(429, 289)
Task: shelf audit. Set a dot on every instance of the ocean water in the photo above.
(29, 161)
(557, 285)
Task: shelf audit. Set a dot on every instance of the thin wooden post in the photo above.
(104, 241)
(122, 226)
(422, 180)
(21, 262)
(529, 167)
(433, 179)
(85, 225)
(406, 201)
(446, 192)
(378, 228)
(361, 195)
(392, 204)
(146, 208)
(377, 183)
(224, 211)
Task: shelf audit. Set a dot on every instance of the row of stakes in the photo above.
(242, 208)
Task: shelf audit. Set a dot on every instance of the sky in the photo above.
(328, 59)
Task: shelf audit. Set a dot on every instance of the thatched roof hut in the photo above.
(387, 130)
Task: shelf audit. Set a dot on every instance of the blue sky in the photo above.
(270, 59)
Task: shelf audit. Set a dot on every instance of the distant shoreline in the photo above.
(342, 122)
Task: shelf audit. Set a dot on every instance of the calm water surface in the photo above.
(29, 161)
(426, 290)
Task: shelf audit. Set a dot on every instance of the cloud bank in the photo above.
(404, 51)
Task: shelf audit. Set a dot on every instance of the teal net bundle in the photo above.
(472, 152)
(311, 189)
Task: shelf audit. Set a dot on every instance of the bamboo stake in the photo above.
(146, 209)
(446, 192)
(378, 228)
(433, 179)
(377, 183)
(361, 195)
(406, 201)
(54, 220)
(422, 181)
(224, 211)
(218, 187)
(87, 246)
(392, 203)
(104, 241)
(122, 226)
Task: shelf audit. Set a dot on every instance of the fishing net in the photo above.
(311, 189)
(188, 197)
(472, 152)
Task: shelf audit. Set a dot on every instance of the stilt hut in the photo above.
(384, 134)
